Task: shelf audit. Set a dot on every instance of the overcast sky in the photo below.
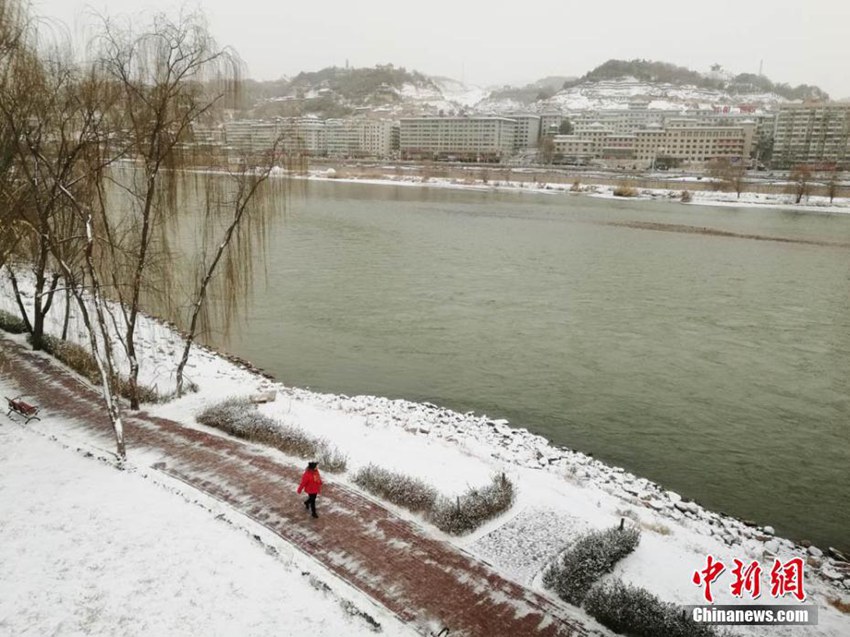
(799, 41)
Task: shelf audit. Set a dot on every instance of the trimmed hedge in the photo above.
(456, 516)
(401, 490)
(634, 611)
(239, 417)
(475, 507)
(592, 556)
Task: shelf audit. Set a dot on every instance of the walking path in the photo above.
(424, 581)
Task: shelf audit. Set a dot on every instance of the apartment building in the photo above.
(573, 149)
(812, 134)
(690, 142)
(304, 134)
(527, 133)
(621, 121)
(458, 138)
(292, 135)
(352, 137)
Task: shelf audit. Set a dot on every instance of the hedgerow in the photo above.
(460, 515)
(401, 490)
(475, 507)
(239, 417)
(634, 611)
(593, 555)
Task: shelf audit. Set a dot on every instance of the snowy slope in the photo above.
(616, 94)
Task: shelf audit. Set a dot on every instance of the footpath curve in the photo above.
(424, 581)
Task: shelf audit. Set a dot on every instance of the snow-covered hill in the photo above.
(616, 94)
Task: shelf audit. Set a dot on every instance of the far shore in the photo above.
(761, 192)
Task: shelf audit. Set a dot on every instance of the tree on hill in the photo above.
(647, 71)
(360, 84)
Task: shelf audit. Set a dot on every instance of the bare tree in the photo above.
(800, 182)
(37, 113)
(730, 176)
(547, 149)
(833, 183)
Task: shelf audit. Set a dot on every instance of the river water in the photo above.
(714, 364)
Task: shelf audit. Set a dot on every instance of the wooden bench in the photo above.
(30, 412)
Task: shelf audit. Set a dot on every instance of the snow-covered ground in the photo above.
(88, 550)
(560, 494)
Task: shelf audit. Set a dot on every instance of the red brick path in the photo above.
(424, 581)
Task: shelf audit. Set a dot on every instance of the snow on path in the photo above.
(90, 550)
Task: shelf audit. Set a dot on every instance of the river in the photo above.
(715, 363)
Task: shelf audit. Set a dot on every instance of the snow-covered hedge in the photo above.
(475, 507)
(239, 417)
(592, 556)
(11, 323)
(401, 490)
(456, 516)
(630, 610)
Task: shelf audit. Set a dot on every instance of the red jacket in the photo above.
(311, 482)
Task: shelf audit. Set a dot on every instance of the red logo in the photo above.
(785, 579)
(706, 576)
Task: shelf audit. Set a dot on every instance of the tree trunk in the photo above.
(24, 316)
(67, 318)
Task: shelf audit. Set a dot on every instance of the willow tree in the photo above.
(55, 149)
(238, 206)
(11, 29)
(170, 76)
(38, 153)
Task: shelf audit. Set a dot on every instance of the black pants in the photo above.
(310, 503)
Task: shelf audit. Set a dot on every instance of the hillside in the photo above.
(396, 92)
(336, 92)
(665, 73)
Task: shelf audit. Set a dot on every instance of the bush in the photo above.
(402, 490)
(239, 417)
(475, 507)
(686, 196)
(11, 323)
(461, 515)
(635, 611)
(625, 191)
(592, 556)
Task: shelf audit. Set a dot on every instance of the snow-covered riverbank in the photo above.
(560, 492)
(813, 203)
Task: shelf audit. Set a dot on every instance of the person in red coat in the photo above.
(311, 483)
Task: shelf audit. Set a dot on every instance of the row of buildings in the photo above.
(637, 136)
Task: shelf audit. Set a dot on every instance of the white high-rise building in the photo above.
(812, 134)
(460, 138)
